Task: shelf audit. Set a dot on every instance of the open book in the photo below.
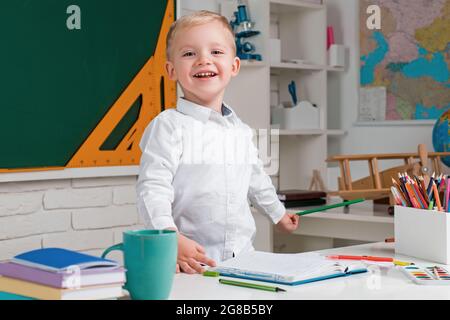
(289, 269)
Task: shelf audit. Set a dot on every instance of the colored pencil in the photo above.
(414, 191)
(402, 192)
(412, 196)
(447, 193)
(422, 200)
(436, 196)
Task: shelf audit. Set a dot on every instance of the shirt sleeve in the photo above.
(262, 193)
(161, 151)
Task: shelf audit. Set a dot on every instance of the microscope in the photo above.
(243, 29)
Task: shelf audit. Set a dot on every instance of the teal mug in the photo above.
(150, 258)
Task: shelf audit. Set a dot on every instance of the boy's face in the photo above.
(203, 61)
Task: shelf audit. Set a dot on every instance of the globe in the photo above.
(441, 138)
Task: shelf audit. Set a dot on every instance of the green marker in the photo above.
(331, 206)
(211, 273)
(250, 285)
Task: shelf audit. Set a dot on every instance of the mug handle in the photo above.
(116, 247)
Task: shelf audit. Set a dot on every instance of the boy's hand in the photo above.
(288, 223)
(190, 255)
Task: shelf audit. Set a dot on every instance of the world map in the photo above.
(405, 65)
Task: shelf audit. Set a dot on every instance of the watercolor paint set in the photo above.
(427, 275)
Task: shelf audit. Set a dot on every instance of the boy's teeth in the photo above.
(204, 74)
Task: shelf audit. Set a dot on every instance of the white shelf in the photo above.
(336, 132)
(301, 27)
(335, 69)
(296, 66)
(288, 6)
(252, 63)
(302, 132)
(71, 173)
(395, 123)
(311, 132)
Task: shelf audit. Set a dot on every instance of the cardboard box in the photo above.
(423, 234)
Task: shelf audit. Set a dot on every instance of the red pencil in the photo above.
(368, 258)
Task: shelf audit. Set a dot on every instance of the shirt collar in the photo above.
(200, 112)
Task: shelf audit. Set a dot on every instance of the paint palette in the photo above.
(428, 275)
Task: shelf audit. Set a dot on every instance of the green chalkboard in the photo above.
(56, 84)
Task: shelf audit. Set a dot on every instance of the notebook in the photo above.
(288, 269)
(303, 203)
(287, 195)
(41, 292)
(88, 277)
(60, 260)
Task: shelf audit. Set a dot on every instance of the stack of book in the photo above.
(301, 198)
(60, 274)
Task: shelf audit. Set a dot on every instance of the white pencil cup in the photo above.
(424, 234)
(302, 116)
(336, 55)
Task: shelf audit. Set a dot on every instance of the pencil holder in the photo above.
(423, 234)
(302, 116)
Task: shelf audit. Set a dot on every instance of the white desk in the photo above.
(388, 284)
(360, 222)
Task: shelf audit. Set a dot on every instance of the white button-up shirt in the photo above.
(198, 170)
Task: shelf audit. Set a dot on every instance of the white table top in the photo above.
(387, 283)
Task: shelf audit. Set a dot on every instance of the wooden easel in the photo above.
(317, 182)
(377, 185)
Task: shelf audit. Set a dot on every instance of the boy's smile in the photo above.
(203, 61)
(205, 75)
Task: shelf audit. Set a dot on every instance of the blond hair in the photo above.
(196, 19)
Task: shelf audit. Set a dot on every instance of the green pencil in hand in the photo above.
(331, 206)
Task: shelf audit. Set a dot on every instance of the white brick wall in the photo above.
(88, 215)
(78, 198)
(15, 187)
(20, 203)
(19, 226)
(10, 248)
(79, 240)
(124, 195)
(102, 182)
(106, 217)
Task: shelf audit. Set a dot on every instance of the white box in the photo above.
(302, 116)
(275, 50)
(423, 234)
(336, 55)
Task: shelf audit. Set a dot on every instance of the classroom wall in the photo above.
(87, 214)
(90, 214)
(343, 91)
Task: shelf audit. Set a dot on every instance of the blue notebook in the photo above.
(287, 269)
(59, 260)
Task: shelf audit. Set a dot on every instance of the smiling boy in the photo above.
(199, 166)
